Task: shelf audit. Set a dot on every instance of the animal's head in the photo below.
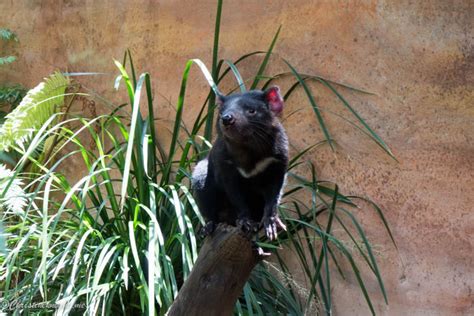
(249, 115)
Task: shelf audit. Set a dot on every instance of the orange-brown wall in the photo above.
(416, 56)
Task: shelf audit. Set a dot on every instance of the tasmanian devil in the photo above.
(241, 180)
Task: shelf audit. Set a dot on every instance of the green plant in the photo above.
(124, 232)
(107, 243)
(10, 95)
(121, 239)
(39, 104)
(303, 219)
(14, 200)
(7, 36)
(18, 126)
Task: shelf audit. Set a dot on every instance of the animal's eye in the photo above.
(251, 111)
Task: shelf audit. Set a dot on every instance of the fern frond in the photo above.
(7, 35)
(7, 60)
(15, 198)
(11, 96)
(34, 110)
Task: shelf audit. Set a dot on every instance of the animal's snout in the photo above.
(228, 119)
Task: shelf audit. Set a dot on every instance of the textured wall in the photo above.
(416, 56)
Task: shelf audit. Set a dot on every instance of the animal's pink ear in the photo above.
(274, 99)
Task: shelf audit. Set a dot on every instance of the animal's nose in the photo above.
(227, 119)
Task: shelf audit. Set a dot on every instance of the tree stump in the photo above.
(223, 266)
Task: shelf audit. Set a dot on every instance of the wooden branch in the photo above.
(219, 275)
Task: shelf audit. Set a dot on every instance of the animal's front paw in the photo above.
(247, 225)
(207, 229)
(271, 225)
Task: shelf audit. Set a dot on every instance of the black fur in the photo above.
(230, 189)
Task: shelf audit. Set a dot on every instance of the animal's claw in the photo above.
(247, 225)
(271, 224)
(207, 229)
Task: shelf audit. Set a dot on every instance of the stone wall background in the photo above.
(417, 57)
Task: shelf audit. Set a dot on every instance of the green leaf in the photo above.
(313, 104)
(264, 63)
(7, 35)
(214, 71)
(39, 104)
(12, 196)
(7, 60)
(237, 75)
(377, 138)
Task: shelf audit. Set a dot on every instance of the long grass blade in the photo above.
(382, 217)
(264, 63)
(179, 109)
(349, 257)
(237, 75)
(313, 104)
(215, 59)
(359, 118)
(371, 260)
